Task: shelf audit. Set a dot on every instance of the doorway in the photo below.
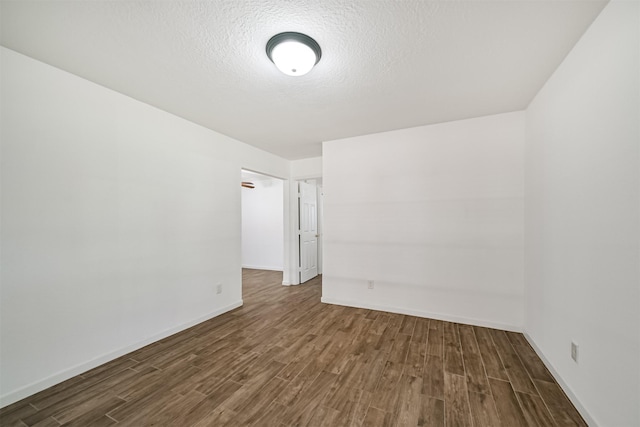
(262, 225)
(271, 238)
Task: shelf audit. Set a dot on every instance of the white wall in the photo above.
(263, 225)
(118, 221)
(434, 215)
(582, 218)
(306, 168)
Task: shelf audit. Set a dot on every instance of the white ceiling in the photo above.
(385, 64)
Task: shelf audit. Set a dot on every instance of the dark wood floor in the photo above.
(286, 359)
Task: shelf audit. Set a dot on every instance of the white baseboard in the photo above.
(563, 385)
(419, 313)
(28, 390)
(262, 267)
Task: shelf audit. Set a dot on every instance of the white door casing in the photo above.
(308, 232)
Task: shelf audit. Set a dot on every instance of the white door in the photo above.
(308, 220)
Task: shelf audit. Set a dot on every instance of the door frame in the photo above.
(290, 273)
(308, 230)
(288, 219)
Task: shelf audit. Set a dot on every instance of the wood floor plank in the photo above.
(216, 375)
(561, 409)
(361, 409)
(436, 324)
(221, 416)
(400, 349)
(516, 338)
(342, 354)
(518, 375)
(386, 392)
(257, 367)
(141, 384)
(386, 339)
(457, 411)
(468, 339)
(414, 365)
(431, 412)
(285, 359)
(435, 343)
(352, 377)
(342, 396)
(61, 392)
(252, 409)
(47, 422)
(361, 329)
(408, 405)
(490, 358)
(134, 389)
(452, 350)
(93, 415)
(372, 314)
(272, 416)
(323, 416)
(342, 392)
(252, 385)
(407, 326)
(298, 364)
(347, 411)
(213, 401)
(303, 380)
(421, 331)
(99, 422)
(483, 410)
(532, 363)
(94, 394)
(534, 410)
(375, 368)
(12, 414)
(477, 380)
(111, 368)
(89, 410)
(159, 347)
(301, 410)
(377, 417)
(395, 321)
(135, 412)
(433, 377)
(507, 404)
(473, 366)
(380, 324)
(178, 409)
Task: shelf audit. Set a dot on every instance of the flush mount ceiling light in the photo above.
(294, 54)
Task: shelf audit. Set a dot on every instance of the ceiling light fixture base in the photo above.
(295, 54)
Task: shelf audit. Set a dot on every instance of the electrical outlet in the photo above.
(574, 351)
(219, 288)
(370, 284)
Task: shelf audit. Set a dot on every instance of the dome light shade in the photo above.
(294, 54)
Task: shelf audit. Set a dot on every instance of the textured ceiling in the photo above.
(385, 64)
